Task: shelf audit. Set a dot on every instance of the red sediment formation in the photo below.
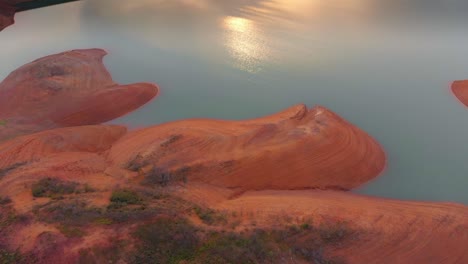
(7, 14)
(392, 231)
(33, 147)
(298, 148)
(460, 90)
(66, 89)
(71, 154)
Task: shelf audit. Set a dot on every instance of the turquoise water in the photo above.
(383, 65)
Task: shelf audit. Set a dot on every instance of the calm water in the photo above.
(383, 65)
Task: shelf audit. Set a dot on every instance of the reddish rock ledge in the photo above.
(460, 90)
(298, 148)
(67, 89)
(7, 14)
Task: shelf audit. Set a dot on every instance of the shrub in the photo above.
(77, 213)
(257, 247)
(124, 197)
(334, 233)
(137, 163)
(10, 257)
(172, 139)
(69, 231)
(210, 216)
(159, 176)
(165, 241)
(104, 221)
(53, 188)
(8, 217)
(6, 170)
(69, 213)
(5, 200)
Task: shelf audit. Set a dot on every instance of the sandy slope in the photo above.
(389, 231)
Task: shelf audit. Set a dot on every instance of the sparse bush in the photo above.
(53, 188)
(6, 170)
(69, 213)
(157, 176)
(10, 257)
(8, 217)
(165, 241)
(210, 216)
(5, 200)
(70, 232)
(172, 139)
(257, 247)
(110, 254)
(124, 197)
(332, 233)
(137, 163)
(104, 221)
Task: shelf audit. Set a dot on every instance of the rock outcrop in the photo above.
(298, 148)
(67, 89)
(7, 15)
(460, 90)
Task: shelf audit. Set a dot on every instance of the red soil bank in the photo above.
(71, 154)
(460, 90)
(72, 139)
(66, 89)
(294, 149)
(7, 14)
(390, 231)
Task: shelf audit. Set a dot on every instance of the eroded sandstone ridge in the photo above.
(297, 148)
(460, 90)
(67, 89)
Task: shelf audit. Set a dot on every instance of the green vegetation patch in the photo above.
(10, 257)
(210, 216)
(137, 163)
(3, 122)
(256, 247)
(123, 197)
(165, 240)
(157, 176)
(8, 217)
(53, 188)
(70, 231)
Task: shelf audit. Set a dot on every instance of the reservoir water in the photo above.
(385, 66)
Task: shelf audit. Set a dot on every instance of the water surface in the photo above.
(385, 66)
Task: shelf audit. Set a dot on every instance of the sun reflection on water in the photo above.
(246, 43)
